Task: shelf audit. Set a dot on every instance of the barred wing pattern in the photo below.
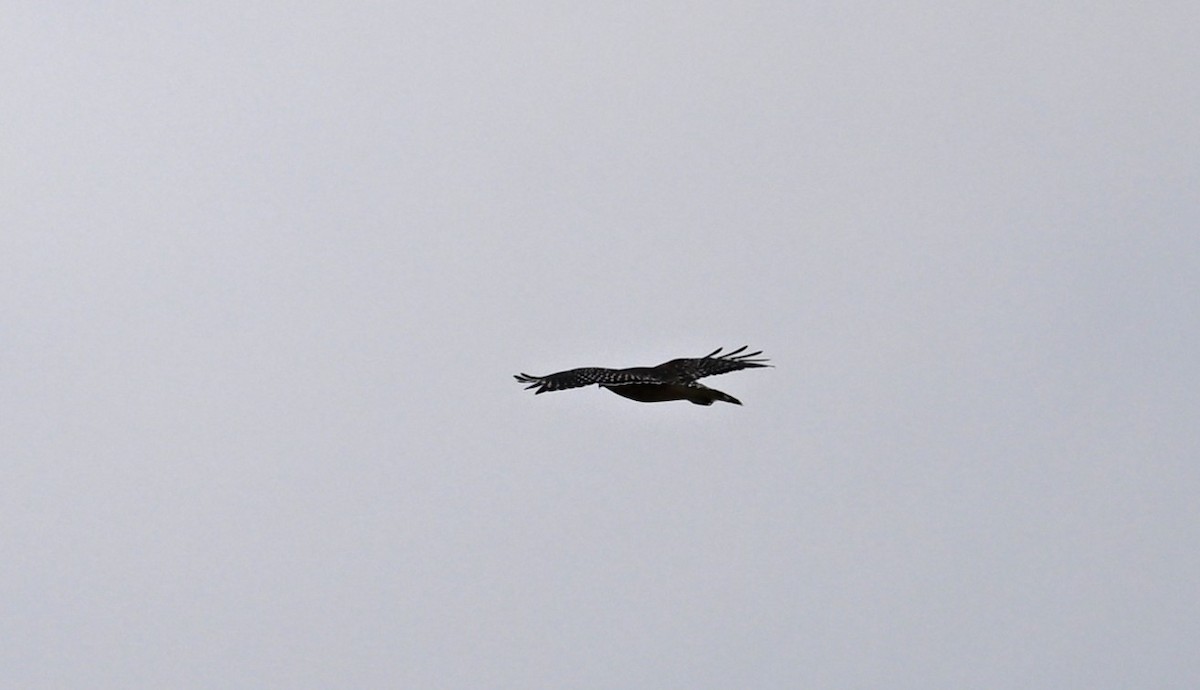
(673, 380)
(713, 363)
(577, 378)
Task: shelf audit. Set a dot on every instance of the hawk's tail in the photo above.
(703, 395)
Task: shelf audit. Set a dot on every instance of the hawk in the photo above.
(673, 380)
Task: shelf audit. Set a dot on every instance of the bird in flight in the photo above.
(673, 380)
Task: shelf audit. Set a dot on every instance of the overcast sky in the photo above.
(267, 270)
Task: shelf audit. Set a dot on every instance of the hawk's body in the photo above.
(673, 380)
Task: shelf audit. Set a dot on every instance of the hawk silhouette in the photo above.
(673, 380)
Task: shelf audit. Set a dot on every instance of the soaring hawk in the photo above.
(674, 380)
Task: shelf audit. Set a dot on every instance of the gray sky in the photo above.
(268, 268)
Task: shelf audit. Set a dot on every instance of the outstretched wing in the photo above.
(576, 378)
(713, 363)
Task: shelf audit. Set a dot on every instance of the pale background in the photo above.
(267, 270)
